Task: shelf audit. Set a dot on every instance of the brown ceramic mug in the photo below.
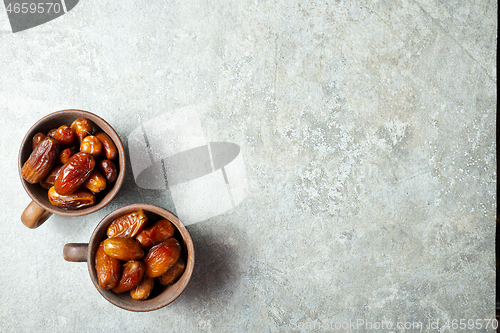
(161, 295)
(40, 209)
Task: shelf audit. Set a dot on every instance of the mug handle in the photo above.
(76, 252)
(34, 215)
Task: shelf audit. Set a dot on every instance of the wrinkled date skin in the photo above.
(157, 233)
(161, 257)
(41, 161)
(107, 268)
(77, 199)
(91, 145)
(132, 274)
(49, 180)
(143, 289)
(128, 225)
(173, 273)
(81, 128)
(109, 171)
(74, 173)
(96, 182)
(108, 145)
(64, 135)
(37, 138)
(123, 248)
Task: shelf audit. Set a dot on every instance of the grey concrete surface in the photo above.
(367, 129)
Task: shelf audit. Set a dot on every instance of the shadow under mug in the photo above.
(40, 208)
(161, 295)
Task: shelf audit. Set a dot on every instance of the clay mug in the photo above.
(40, 209)
(161, 295)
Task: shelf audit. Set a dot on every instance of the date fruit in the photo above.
(75, 200)
(37, 139)
(91, 145)
(107, 268)
(132, 274)
(143, 289)
(41, 160)
(128, 225)
(108, 145)
(74, 173)
(123, 248)
(66, 154)
(173, 273)
(49, 180)
(64, 135)
(52, 132)
(109, 171)
(96, 182)
(156, 234)
(81, 127)
(161, 257)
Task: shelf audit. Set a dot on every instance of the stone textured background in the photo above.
(368, 133)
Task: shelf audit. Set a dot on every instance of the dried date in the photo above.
(75, 200)
(123, 248)
(173, 273)
(64, 135)
(49, 180)
(128, 225)
(132, 274)
(41, 160)
(96, 182)
(74, 173)
(109, 171)
(156, 233)
(66, 154)
(91, 145)
(81, 128)
(108, 145)
(143, 289)
(107, 268)
(161, 257)
(37, 139)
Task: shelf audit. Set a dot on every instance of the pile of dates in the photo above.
(136, 254)
(73, 163)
